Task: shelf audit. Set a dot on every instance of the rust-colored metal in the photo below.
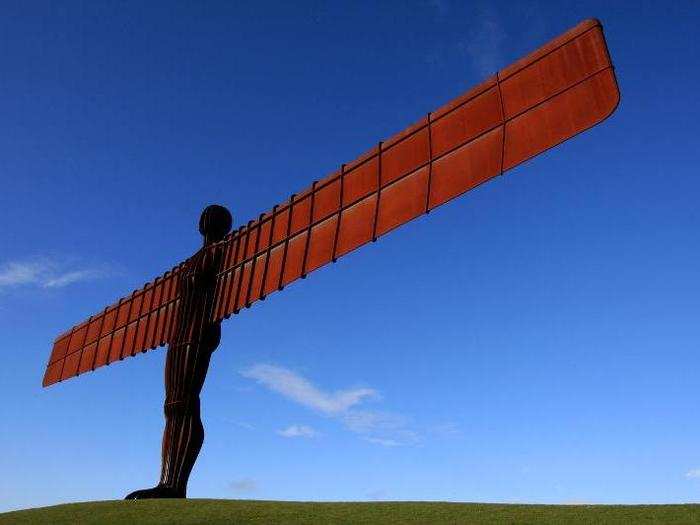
(194, 339)
(541, 100)
(558, 91)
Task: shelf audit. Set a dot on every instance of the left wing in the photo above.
(136, 323)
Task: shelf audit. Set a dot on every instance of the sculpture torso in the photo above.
(197, 297)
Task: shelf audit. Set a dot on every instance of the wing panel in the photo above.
(320, 250)
(294, 258)
(255, 289)
(356, 225)
(327, 200)
(130, 339)
(561, 117)
(87, 358)
(402, 201)
(102, 352)
(560, 69)
(53, 373)
(60, 348)
(404, 156)
(360, 180)
(115, 346)
(77, 338)
(151, 331)
(264, 232)
(301, 213)
(233, 287)
(108, 320)
(274, 270)
(280, 228)
(242, 292)
(466, 167)
(70, 365)
(93, 331)
(477, 116)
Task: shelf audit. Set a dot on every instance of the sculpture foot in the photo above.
(159, 491)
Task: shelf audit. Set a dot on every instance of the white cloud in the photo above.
(382, 428)
(243, 486)
(298, 431)
(16, 273)
(44, 273)
(296, 388)
(693, 474)
(72, 277)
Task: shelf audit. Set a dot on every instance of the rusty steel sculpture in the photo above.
(547, 97)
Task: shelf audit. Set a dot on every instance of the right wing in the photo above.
(560, 90)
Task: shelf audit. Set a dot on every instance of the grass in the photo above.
(241, 512)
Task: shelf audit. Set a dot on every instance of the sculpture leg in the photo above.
(185, 370)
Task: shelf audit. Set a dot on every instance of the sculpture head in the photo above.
(214, 223)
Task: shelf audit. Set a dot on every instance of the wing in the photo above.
(560, 90)
(136, 323)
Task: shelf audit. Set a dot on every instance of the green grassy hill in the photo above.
(195, 511)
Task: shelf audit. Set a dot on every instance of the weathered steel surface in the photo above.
(194, 339)
(136, 323)
(543, 99)
(558, 91)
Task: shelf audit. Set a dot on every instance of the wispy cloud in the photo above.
(45, 273)
(16, 273)
(382, 428)
(72, 277)
(484, 45)
(243, 486)
(298, 431)
(693, 473)
(296, 388)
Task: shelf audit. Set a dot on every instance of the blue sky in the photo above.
(534, 341)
